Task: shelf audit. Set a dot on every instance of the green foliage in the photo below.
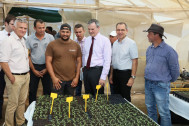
(115, 112)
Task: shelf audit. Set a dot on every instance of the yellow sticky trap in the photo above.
(53, 96)
(86, 96)
(97, 87)
(69, 99)
(107, 89)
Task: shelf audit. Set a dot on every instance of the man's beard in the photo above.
(65, 39)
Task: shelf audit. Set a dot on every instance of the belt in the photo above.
(116, 70)
(19, 73)
(96, 67)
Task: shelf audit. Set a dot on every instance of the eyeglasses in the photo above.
(121, 30)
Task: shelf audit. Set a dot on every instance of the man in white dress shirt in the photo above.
(15, 63)
(80, 34)
(9, 26)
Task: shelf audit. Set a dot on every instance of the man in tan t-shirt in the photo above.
(63, 62)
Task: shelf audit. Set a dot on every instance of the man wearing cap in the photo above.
(80, 34)
(37, 44)
(124, 62)
(162, 67)
(9, 27)
(113, 38)
(63, 62)
(97, 53)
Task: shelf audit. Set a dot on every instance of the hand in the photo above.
(37, 73)
(101, 82)
(43, 72)
(74, 82)
(111, 79)
(130, 82)
(12, 79)
(56, 83)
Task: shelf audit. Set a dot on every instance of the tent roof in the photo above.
(37, 13)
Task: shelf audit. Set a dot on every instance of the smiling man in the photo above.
(97, 53)
(37, 44)
(63, 62)
(15, 63)
(124, 62)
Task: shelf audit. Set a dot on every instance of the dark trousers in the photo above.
(120, 79)
(112, 86)
(79, 88)
(91, 79)
(34, 82)
(2, 88)
(65, 89)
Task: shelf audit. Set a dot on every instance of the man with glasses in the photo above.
(124, 62)
(9, 26)
(15, 63)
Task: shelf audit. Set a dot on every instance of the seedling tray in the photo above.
(115, 112)
(184, 95)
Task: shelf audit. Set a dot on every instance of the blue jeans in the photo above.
(157, 93)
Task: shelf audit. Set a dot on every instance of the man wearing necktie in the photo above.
(97, 54)
(9, 26)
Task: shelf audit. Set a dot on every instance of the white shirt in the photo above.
(122, 54)
(3, 35)
(13, 51)
(82, 43)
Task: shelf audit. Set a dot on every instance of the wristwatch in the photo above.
(133, 76)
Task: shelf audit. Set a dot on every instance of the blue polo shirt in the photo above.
(38, 47)
(161, 63)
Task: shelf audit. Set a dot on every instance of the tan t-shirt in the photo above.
(64, 56)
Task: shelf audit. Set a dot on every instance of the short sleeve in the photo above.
(133, 51)
(28, 43)
(49, 50)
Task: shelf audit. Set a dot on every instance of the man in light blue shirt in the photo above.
(37, 44)
(162, 67)
(124, 62)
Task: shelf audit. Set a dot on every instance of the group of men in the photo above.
(58, 63)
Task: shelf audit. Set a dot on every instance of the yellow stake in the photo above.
(97, 87)
(69, 99)
(86, 96)
(107, 90)
(53, 96)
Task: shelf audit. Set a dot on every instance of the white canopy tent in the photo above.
(173, 15)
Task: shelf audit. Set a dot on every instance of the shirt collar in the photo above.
(81, 40)
(16, 36)
(96, 37)
(6, 33)
(45, 36)
(162, 44)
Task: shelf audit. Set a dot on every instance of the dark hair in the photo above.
(38, 20)
(94, 21)
(79, 26)
(9, 18)
(158, 34)
(50, 28)
(120, 23)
